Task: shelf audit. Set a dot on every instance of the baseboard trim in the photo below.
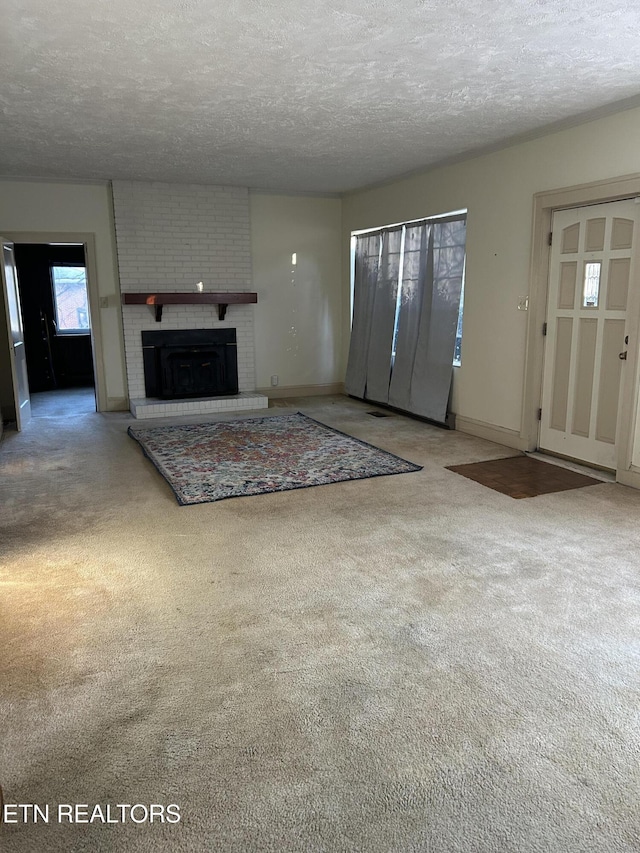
(629, 478)
(117, 404)
(302, 390)
(491, 432)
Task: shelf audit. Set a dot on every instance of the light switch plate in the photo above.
(523, 303)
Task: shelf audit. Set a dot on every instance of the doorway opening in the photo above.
(598, 363)
(586, 331)
(54, 298)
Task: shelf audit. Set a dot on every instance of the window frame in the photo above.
(457, 360)
(79, 331)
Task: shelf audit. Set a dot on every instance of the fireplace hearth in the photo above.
(184, 363)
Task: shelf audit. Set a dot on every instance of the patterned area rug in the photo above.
(214, 461)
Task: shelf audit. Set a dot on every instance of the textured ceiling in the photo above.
(304, 95)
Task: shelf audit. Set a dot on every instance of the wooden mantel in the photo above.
(158, 300)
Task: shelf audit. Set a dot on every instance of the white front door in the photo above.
(17, 355)
(585, 347)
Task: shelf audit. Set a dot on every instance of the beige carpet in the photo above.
(411, 663)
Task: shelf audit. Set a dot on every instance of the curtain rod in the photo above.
(456, 216)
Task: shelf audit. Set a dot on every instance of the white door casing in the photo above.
(587, 312)
(17, 355)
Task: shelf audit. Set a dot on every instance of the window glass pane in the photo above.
(451, 248)
(457, 353)
(591, 289)
(398, 295)
(70, 298)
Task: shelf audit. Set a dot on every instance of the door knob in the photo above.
(622, 356)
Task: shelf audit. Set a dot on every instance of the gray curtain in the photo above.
(367, 263)
(410, 342)
(414, 275)
(423, 368)
(433, 366)
(383, 318)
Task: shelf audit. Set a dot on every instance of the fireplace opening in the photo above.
(190, 363)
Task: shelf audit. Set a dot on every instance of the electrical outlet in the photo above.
(274, 379)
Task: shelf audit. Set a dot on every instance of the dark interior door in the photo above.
(55, 358)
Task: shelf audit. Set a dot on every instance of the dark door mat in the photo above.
(523, 477)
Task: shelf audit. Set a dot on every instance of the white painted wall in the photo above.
(497, 189)
(302, 321)
(41, 206)
(299, 322)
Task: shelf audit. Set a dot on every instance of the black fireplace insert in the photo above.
(190, 363)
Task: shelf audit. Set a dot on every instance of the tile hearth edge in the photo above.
(145, 408)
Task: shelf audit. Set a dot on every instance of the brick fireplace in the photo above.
(169, 238)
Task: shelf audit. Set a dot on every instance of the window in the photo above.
(70, 300)
(457, 353)
(591, 284)
(404, 253)
(406, 313)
